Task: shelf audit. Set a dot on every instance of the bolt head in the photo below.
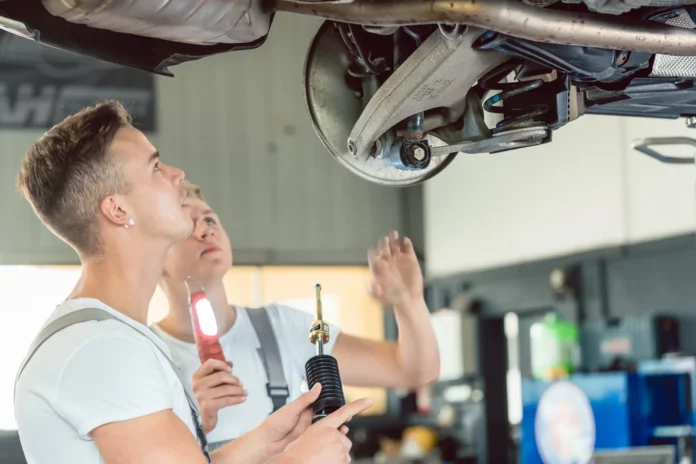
(419, 153)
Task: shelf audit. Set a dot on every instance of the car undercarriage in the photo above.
(397, 88)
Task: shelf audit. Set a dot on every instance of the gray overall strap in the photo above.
(277, 386)
(95, 314)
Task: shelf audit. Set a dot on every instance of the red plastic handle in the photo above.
(208, 345)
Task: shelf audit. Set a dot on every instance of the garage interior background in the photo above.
(490, 230)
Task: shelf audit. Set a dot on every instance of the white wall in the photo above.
(660, 197)
(587, 189)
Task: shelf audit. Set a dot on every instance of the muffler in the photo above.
(510, 17)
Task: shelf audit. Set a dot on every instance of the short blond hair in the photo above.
(192, 190)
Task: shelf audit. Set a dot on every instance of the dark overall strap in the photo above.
(95, 314)
(277, 386)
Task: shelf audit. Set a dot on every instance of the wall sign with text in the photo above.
(40, 85)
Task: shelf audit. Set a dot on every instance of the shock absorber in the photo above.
(323, 368)
(515, 113)
(205, 330)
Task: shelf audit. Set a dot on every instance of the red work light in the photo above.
(205, 329)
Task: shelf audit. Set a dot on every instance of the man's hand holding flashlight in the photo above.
(216, 388)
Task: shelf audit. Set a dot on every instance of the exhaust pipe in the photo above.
(511, 17)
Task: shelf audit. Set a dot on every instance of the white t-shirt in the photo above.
(87, 375)
(240, 345)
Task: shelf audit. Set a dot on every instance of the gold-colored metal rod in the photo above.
(510, 17)
(320, 316)
(320, 319)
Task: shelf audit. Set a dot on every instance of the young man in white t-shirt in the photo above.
(105, 392)
(234, 401)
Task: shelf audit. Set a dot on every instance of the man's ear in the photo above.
(115, 211)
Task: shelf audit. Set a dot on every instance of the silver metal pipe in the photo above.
(510, 17)
(320, 347)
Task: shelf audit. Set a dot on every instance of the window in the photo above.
(31, 293)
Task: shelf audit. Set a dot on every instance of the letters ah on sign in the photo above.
(40, 85)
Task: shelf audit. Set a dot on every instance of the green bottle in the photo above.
(554, 348)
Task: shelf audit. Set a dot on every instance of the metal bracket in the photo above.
(439, 73)
(643, 146)
(516, 138)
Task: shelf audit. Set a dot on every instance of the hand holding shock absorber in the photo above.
(323, 368)
(205, 330)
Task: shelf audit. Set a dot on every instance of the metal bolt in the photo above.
(622, 58)
(691, 122)
(419, 153)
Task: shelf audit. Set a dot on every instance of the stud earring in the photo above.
(129, 224)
